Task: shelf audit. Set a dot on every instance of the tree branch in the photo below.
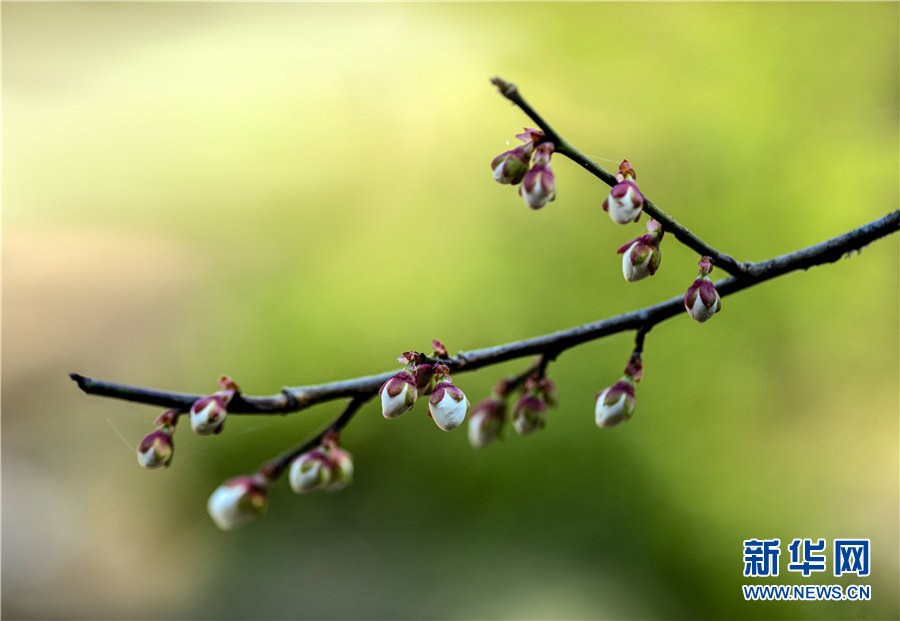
(511, 92)
(550, 345)
(276, 467)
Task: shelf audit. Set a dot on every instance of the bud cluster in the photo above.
(641, 256)
(207, 414)
(512, 168)
(616, 403)
(327, 467)
(528, 414)
(447, 404)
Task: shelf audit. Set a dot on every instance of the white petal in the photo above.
(449, 413)
(223, 507)
(632, 272)
(537, 198)
(305, 475)
(482, 430)
(700, 312)
(610, 415)
(624, 210)
(200, 422)
(148, 458)
(392, 407)
(498, 172)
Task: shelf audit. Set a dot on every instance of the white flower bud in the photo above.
(637, 261)
(342, 468)
(510, 167)
(311, 471)
(398, 394)
(208, 414)
(448, 405)
(641, 256)
(539, 184)
(238, 501)
(155, 450)
(625, 202)
(449, 409)
(701, 300)
(529, 415)
(615, 404)
(486, 421)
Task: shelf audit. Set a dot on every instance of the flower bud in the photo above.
(448, 405)
(311, 471)
(539, 185)
(529, 414)
(701, 300)
(208, 414)
(510, 167)
(641, 256)
(398, 394)
(238, 501)
(486, 421)
(342, 469)
(156, 449)
(615, 404)
(625, 201)
(424, 379)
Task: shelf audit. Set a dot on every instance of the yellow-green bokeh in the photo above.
(296, 193)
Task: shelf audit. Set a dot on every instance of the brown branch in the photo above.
(670, 225)
(549, 345)
(276, 467)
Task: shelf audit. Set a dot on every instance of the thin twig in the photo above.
(276, 467)
(511, 92)
(298, 398)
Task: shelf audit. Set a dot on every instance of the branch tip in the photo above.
(507, 89)
(79, 379)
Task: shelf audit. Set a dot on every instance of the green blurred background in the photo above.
(296, 193)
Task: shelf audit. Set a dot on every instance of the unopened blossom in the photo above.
(486, 421)
(208, 413)
(341, 468)
(398, 394)
(539, 185)
(616, 403)
(156, 449)
(510, 167)
(238, 501)
(641, 256)
(625, 201)
(311, 471)
(448, 405)
(529, 414)
(701, 300)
